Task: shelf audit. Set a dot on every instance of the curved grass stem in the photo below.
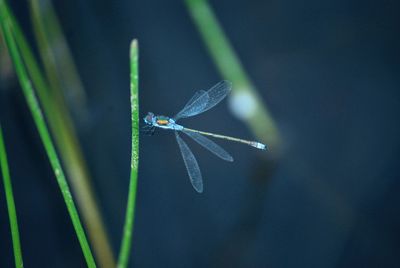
(33, 104)
(61, 74)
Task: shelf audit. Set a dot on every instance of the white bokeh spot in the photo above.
(242, 104)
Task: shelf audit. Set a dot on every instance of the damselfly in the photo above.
(199, 103)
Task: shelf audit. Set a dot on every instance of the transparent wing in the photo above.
(191, 164)
(194, 106)
(205, 100)
(209, 145)
(197, 95)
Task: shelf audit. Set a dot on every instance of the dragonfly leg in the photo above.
(148, 130)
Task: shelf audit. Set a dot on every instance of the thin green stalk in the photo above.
(130, 211)
(61, 74)
(12, 214)
(43, 131)
(231, 69)
(56, 56)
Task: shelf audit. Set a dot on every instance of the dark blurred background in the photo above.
(327, 70)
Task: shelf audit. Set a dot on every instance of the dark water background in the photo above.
(329, 72)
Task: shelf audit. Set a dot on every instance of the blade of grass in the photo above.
(43, 131)
(12, 214)
(231, 69)
(130, 210)
(63, 131)
(56, 56)
(47, 31)
(6, 71)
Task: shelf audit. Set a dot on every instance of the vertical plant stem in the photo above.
(12, 214)
(259, 121)
(60, 73)
(43, 132)
(130, 210)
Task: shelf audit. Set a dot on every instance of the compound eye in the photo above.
(149, 118)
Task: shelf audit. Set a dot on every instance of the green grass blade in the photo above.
(12, 214)
(130, 211)
(43, 131)
(65, 137)
(59, 65)
(61, 74)
(231, 69)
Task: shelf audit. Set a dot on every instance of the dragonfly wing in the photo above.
(209, 145)
(194, 106)
(205, 100)
(217, 93)
(191, 164)
(196, 95)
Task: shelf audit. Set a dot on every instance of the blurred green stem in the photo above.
(33, 104)
(130, 211)
(56, 57)
(47, 32)
(12, 214)
(228, 63)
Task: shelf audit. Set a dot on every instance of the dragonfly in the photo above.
(201, 102)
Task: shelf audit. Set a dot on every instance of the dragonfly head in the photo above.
(149, 118)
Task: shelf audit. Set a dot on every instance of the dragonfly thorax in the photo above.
(161, 121)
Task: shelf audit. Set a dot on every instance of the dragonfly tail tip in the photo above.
(260, 146)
